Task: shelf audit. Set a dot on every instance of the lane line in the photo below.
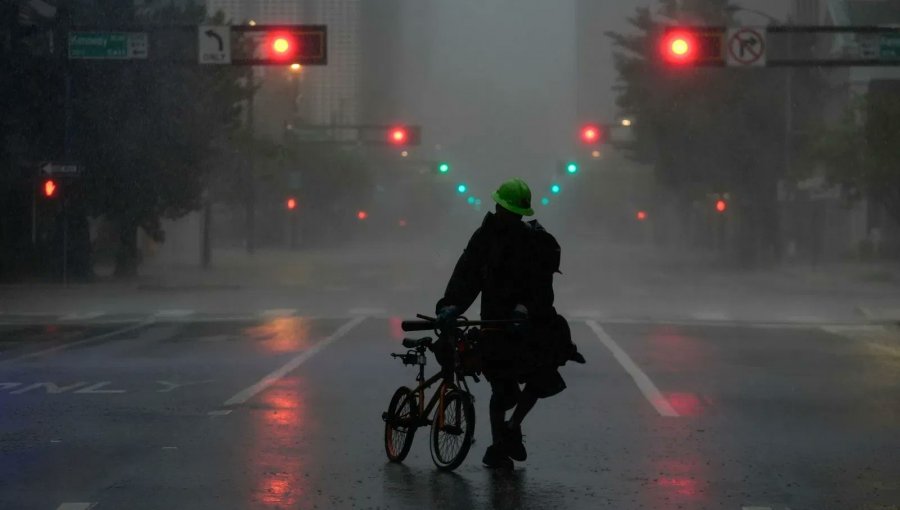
(97, 338)
(75, 506)
(710, 315)
(174, 314)
(651, 393)
(219, 412)
(249, 392)
(367, 311)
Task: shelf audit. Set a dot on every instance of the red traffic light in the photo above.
(590, 134)
(641, 215)
(398, 136)
(721, 205)
(291, 204)
(282, 47)
(50, 188)
(679, 47)
(362, 215)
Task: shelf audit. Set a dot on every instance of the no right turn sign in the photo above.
(745, 47)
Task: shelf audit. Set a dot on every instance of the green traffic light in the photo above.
(572, 167)
(471, 200)
(555, 189)
(443, 168)
(461, 188)
(545, 201)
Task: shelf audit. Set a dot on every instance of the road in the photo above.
(232, 405)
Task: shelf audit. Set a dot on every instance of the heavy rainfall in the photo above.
(514, 254)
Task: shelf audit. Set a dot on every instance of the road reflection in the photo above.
(276, 458)
(282, 334)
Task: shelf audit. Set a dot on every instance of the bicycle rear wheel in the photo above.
(451, 440)
(400, 424)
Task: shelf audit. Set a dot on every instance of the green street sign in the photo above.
(108, 45)
(890, 46)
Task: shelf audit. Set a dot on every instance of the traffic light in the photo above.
(545, 201)
(398, 135)
(471, 200)
(686, 46)
(591, 134)
(282, 46)
(721, 206)
(641, 215)
(444, 167)
(461, 188)
(572, 167)
(270, 45)
(555, 189)
(50, 188)
(362, 215)
(291, 203)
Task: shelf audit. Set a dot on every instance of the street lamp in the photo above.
(626, 122)
(296, 68)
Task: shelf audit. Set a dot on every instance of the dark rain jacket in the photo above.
(509, 265)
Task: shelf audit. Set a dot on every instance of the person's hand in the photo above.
(446, 316)
(520, 313)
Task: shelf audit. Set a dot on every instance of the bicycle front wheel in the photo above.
(400, 422)
(451, 437)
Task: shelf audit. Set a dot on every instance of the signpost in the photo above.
(108, 45)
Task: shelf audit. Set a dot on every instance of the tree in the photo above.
(859, 152)
(704, 130)
(145, 131)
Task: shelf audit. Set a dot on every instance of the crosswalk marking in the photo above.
(173, 314)
(82, 316)
(279, 312)
(710, 315)
(76, 506)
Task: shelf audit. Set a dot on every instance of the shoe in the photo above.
(495, 459)
(513, 445)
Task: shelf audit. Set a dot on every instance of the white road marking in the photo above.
(76, 506)
(852, 331)
(336, 288)
(82, 342)
(49, 387)
(220, 412)
(367, 311)
(173, 314)
(56, 440)
(707, 315)
(86, 316)
(810, 319)
(279, 312)
(169, 447)
(95, 389)
(249, 392)
(8, 385)
(651, 393)
(169, 385)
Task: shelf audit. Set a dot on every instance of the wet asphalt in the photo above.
(284, 411)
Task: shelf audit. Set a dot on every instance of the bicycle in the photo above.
(453, 423)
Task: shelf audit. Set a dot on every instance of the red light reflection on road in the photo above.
(275, 458)
(282, 334)
(685, 404)
(681, 479)
(396, 331)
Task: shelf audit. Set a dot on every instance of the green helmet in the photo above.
(514, 196)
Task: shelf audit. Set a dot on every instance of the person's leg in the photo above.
(504, 395)
(525, 403)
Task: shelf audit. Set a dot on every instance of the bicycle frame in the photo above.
(454, 379)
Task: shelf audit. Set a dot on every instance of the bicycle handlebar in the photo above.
(430, 324)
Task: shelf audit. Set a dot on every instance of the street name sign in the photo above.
(108, 45)
(890, 47)
(214, 43)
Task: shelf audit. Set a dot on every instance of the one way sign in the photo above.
(215, 44)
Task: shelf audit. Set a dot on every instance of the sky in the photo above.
(499, 97)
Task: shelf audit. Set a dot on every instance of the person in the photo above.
(511, 263)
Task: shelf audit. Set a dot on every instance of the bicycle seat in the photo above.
(413, 343)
